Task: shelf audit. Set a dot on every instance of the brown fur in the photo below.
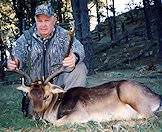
(116, 100)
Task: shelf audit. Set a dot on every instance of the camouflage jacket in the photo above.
(40, 57)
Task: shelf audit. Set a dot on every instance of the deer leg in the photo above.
(132, 94)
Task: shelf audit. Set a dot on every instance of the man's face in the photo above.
(45, 24)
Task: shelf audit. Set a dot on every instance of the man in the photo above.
(49, 43)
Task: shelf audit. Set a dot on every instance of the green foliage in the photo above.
(8, 22)
(5, 1)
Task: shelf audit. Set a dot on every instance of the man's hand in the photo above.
(70, 60)
(12, 64)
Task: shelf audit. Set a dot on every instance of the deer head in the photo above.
(41, 95)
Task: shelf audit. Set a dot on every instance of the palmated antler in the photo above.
(62, 68)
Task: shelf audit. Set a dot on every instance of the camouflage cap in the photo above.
(45, 9)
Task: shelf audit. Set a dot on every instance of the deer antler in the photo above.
(71, 39)
(58, 72)
(18, 71)
(62, 68)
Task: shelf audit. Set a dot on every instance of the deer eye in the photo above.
(46, 97)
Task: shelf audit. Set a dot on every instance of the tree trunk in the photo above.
(86, 39)
(76, 15)
(110, 28)
(158, 7)
(33, 6)
(110, 25)
(3, 59)
(18, 7)
(147, 21)
(114, 20)
(80, 13)
(98, 17)
(59, 11)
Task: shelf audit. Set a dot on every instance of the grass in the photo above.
(12, 119)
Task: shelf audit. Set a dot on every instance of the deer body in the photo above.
(117, 100)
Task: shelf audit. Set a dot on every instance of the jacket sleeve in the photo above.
(78, 49)
(20, 50)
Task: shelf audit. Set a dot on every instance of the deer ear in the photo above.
(56, 88)
(23, 88)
